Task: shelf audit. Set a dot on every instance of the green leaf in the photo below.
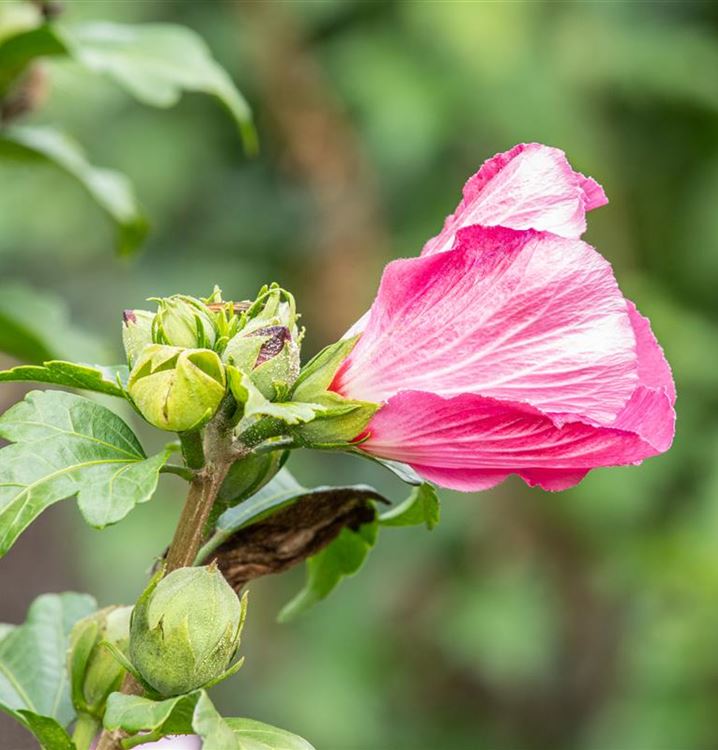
(255, 735)
(49, 732)
(34, 685)
(72, 375)
(35, 326)
(133, 714)
(65, 445)
(5, 629)
(403, 471)
(146, 720)
(155, 63)
(249, 475)
(316, 376)
(343, 557)
(347, 552)
(421, 507)
(212, 728)
(32, 39)
(111, 190)
(281, 492)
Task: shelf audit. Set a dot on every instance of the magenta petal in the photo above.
(476, 480)
(469, 442)
(518, 316)
(649, 412)
(529, 187)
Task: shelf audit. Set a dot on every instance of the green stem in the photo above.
(180, 471)
(192, 449)
(86, 729)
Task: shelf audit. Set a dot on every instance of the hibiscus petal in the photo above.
(529, 187)
(470, 442)
(649, 411)
(520, 316)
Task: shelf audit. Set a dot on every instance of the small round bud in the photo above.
(185, 630)
(94, 671)
(183, 321)
(177, 389)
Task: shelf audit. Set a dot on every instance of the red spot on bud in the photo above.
(279, 335)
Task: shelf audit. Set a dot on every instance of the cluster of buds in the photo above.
(178, 354)
(185, 630)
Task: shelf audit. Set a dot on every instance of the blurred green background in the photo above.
(586, 620)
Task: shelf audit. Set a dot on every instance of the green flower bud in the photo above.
(185, 630)
(136, 333)
(183, 321)
(267, 347)
(177, 389)
(94, 671)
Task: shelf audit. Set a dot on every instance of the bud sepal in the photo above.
(341, 421)
(94, 672)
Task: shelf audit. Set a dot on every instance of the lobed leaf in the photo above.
(65, 445)
(111, 190)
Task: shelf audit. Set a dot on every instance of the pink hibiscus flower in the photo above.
(507, 347)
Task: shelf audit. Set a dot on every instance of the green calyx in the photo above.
(177, 389)
(185, 630)
(94, 671)
(341, 420)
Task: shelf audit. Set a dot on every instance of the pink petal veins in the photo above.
(520, 316)
(529, 187)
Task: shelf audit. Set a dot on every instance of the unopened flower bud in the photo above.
(177, 389)
(136, 333)
(267, 347)
(95, 672)
(183, 321)
(185, 630)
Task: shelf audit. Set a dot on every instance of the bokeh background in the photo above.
(586, 620)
